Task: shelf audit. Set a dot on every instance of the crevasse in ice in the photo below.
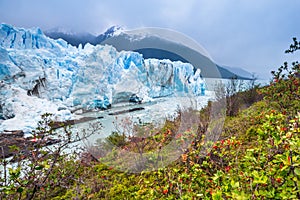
(39, 74)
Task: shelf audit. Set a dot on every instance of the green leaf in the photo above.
(217, 195)
(297, 171)
(234, 184)
(40, 167)
(20, 190)
(14, 148)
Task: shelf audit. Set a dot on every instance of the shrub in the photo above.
(41, 170)
(283, 93)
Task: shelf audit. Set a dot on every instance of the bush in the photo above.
(41, 171)
(283, 93)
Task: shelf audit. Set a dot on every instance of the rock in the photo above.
(102, 104)
(16, 138)
(61, 108)
(135, 99)
(126, 111)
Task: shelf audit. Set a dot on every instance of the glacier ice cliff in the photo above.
(39, 74)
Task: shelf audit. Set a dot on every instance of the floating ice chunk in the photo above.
(62, 115)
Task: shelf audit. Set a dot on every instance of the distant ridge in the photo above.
(72, 38)
(122, 40)
(238, 70)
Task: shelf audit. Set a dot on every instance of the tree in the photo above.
(229, 91)
(39, 168)
(284, 91)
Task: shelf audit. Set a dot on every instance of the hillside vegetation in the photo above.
(257, 155)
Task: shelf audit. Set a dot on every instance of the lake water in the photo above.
(155, 112)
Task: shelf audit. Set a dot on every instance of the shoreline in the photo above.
(16, 138)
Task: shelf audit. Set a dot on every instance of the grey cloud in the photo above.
(247, 33)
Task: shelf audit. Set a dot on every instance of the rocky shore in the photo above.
(12, 140)
(17, 139)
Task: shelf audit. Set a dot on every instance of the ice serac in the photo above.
(39, 74)
(167, 78)
(19, 38)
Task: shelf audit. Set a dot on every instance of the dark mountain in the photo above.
(111, 32)
(152, 46)
(73, 39)
(239, 71)
(82, 38)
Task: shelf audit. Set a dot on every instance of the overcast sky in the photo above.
(251, 34)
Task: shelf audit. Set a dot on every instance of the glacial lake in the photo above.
(156, 112)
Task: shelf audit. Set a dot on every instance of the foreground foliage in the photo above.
(256, 157)
(262, 163)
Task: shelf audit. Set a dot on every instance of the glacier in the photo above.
(39, 74)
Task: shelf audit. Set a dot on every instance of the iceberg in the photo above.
(39, 74)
